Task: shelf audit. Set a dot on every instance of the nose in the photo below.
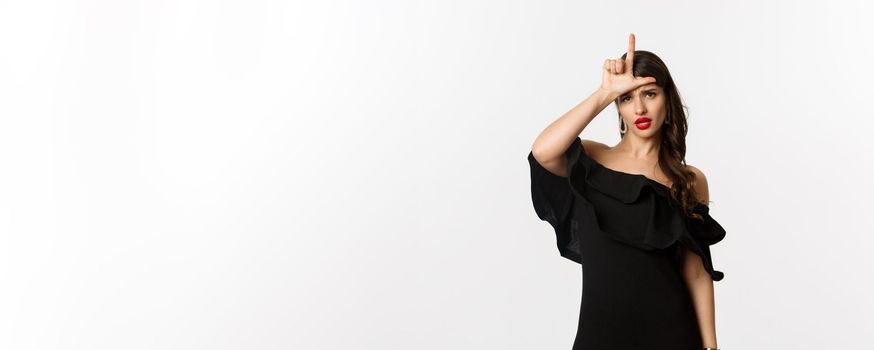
(639, 107)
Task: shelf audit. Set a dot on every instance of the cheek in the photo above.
(657, 105)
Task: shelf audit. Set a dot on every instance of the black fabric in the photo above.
(626, 231)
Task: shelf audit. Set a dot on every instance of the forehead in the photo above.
(646, 87)
(643, 89)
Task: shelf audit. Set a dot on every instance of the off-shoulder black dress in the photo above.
(626, 231)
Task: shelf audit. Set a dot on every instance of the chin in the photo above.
(650, 130)
(646, 133)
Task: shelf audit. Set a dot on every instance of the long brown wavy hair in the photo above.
(672, 153)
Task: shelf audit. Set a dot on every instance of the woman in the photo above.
(634, 215)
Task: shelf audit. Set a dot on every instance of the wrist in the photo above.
(605, 96)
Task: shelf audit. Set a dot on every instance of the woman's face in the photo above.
(647, 101)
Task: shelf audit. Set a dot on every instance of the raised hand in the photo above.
(618, 77)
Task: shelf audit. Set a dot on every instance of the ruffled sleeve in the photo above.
(703, 234)
(603, 201)
(553, 203)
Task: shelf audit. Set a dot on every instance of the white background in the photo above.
(353, 175)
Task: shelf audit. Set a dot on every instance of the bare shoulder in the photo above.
(701, 187)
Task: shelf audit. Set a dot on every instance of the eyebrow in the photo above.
(644, 91)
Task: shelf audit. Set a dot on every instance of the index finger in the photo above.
(630, 56)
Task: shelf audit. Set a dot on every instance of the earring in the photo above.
(624, 127)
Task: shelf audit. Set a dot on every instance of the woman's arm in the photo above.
(701, 289)
(700, 282)
(549, 146)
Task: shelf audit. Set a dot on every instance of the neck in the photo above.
(639, 148)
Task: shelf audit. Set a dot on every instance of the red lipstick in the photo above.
(643, 123)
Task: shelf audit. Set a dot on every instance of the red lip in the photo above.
(641, 120)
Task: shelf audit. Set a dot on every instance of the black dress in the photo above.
(626, 231)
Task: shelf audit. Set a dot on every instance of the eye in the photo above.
(651, 94)
(623, 99)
